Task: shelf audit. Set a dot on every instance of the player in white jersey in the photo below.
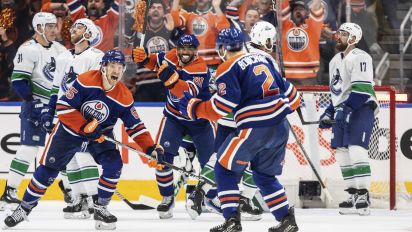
(34, 69)
(353, 105)
(82, 171)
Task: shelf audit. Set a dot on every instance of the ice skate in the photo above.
(230, 225)
(79, 209)
(287, 224)
(104, 220)
(248, 211)
(165, 208)
(194, 203)
(9, 198)
(67, 193)
(362, 203)
(19, 215)
(213, 205)
(348, 206)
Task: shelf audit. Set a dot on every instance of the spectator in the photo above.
(64, 22)
(204, 24)
(251, 18)
(145, 84)
(301, 29)
(106, 22)
(7, 52)
(266, 11)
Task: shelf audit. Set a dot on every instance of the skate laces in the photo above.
(352, 198)
(103, 210)
(19, 214)
(363, 198)
(167, 200)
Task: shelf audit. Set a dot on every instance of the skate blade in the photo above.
(99, 225)
(192, 213)
(250, 217)
(350, 211)
(77, 215)
(165, 215)
(364, 212)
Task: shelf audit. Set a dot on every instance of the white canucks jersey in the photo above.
(351, 73)
(37, 64)
(70, 66)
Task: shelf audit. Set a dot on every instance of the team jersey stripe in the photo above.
(230, 151)
(20, 75)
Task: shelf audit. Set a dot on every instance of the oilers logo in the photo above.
(297, 39)
(157, 44)
(68, 79)
(336, 83)
(96, 109)
(199, 26)
(49, 68)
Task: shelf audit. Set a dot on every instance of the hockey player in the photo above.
(352, 106)
(182, 71)
(263, 37)
(260, 99)
(82, 171)
(89, 108)
(34, 69)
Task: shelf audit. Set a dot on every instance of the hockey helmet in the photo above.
(90, 28)
(353, 29)
(261, 33)
(43, 18)
(188, 40)
(113, 56)
(231, 39)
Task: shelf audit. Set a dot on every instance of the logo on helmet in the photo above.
(98, 38)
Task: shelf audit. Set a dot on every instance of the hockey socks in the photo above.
(273, 193)
(228, 191)
(164, 177)
(43, 177)
(20, 164)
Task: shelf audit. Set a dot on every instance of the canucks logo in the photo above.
(49, 68)
(336, 83)
(69, 78)
(96, 109)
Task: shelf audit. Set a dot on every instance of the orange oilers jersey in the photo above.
(86, 99)
(300, 45)
(205, 27)
(106, 24)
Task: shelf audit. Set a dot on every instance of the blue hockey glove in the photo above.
(167, 75)
(188, 105)
(46, 119)
(158, 154)
(31, 111)
(325, 120)
(343, 114)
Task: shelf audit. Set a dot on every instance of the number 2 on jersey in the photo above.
(267, 86)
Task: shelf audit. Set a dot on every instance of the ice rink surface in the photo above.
(48, 216)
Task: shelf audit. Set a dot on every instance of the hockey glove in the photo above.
(31, 110)
(158, 154)
(167, 75)
(325, 120)
(343, 114)
(188, 105)
(46, 119)
(92, 131)
(140, 55)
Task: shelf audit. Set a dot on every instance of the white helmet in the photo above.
(90, 28)
(353, 29)
(261, 32)
(42, 18)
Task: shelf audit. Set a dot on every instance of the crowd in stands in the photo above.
(307, 31)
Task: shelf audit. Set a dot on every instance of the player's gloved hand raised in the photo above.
(46, 119)
(140, 55)
(31, 111)
(325, 120)
(92, 131)
(188, 105)
(167, 75)
(158, 154)
(343, 114)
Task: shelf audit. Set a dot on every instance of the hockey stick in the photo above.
(302, 120)
(325, 189)
(133, 205)
(181, 170)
